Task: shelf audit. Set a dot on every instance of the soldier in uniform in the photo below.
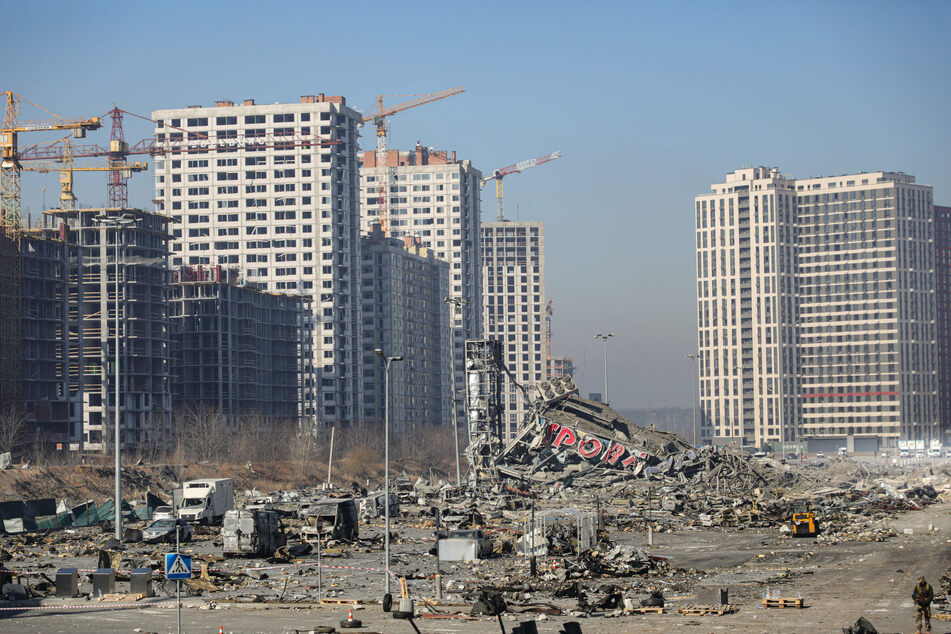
(922, 595)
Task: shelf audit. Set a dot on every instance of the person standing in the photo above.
(922, 595)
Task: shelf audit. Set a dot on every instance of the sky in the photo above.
(649, 102)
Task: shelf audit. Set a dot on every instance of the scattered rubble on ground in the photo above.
(578, 489)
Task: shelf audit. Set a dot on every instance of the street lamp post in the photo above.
(457, 303)
(604, 340)
(693, 391)
(386, 463)
(118, 222)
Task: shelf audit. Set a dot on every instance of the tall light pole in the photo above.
(456, 303)
(386, 462)
(693, 391)
(604, 340)
(118, 222)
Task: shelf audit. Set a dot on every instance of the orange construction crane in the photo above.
(379, 120)
(499, 174)
(549, 311)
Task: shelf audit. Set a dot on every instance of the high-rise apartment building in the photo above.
(815, 309)
(435, 198)
(236, 348)
(273, 189)
(942, 241)
(513, 266)
(404, 314)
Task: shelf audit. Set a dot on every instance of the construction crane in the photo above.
(379, 120)
(67, 199)
(10, 157)
(11, 264)
(499, 174)
(549, 311)
(183, 141)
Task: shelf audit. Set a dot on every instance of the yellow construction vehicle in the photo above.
(804, 523)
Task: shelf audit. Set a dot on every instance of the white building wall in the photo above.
(514, 285)
(285, 211)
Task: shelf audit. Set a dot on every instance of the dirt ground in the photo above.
(840, 582)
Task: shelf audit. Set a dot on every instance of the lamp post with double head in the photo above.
(119, 223)
(456, 303)
(604, 340)
(386, 463)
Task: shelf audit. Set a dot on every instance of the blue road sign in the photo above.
(178, 566)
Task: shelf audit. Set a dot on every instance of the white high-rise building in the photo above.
(273, 189)
(513, 265)
(816, 311)
(435, 198)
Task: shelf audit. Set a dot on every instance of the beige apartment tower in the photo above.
(816, 312)
(513, 256)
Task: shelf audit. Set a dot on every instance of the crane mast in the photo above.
(379, 120)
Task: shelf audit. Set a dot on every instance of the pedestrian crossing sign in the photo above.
(178, 566)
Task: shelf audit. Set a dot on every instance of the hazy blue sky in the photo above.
(649, 102)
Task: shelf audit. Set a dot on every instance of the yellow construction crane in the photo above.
(379, 120)
(9, 152)
(499, 174)
(10, 258)
(67, 199)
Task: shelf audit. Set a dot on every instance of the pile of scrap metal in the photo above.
(569, 439)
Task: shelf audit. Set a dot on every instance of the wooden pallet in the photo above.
(706, 610)
(121, 597)
(645, 610)
(784, 602)
(345, 602)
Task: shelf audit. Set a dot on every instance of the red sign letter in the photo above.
(590, 447)
(614, 454)
(566, 437)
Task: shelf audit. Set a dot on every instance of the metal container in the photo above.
(140, 582)
(67, 582)
(103, 582)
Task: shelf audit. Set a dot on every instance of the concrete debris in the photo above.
(489, 603)
(862, 626)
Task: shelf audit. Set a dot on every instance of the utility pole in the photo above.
(386, 460)
(119, 222)
(604, 340)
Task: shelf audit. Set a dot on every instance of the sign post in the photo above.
(178, 567)
(320, 525)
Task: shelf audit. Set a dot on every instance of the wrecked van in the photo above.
(336, 516)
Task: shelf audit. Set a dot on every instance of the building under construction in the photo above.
(240, 350)
(44, 344)
(99, 318)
